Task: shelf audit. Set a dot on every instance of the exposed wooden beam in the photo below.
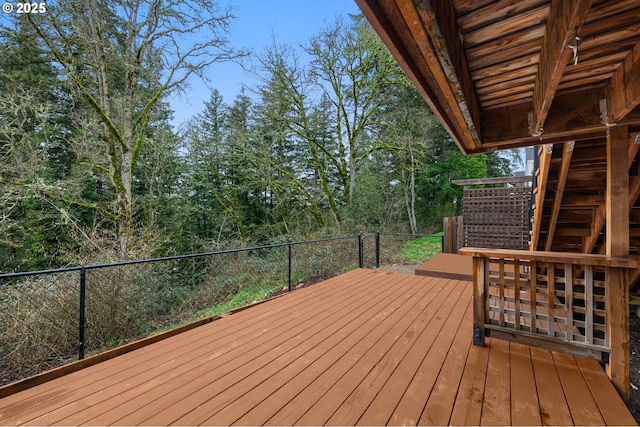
(634, 186)
(597, 223)
(623, 91)
(617, 195)
(424, 37)
(617, 245)
(633, 148)
(452, 73)
(565, 18)
(542, 175)
(386, 20)
(568, 120)
(494, 180)
(567, 152)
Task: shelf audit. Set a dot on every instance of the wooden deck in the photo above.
(367, 348)
(448, 266)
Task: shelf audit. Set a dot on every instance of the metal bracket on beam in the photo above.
(478, 336)
(423, 5)
(532, 130)
(570, 146)
(604, 115)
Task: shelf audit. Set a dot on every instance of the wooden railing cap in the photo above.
(559, 257)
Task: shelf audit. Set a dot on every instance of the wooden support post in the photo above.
(446, 246)
(617, 245)
(617, 290)
(453, 239)
(568, 302)
(479, 277)
(459, 233)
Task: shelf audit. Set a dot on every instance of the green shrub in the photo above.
(420, 250)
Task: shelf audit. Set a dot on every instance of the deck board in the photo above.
(386, 371)
(295, 385)
(412, 403)
(443, 396)
(496, 407)
(447, 266)
(467, 409)
(525, 408)
(387, 398)
(572, 379)
(612, 409)
(554, 409)
(368, 348)
(383, 321)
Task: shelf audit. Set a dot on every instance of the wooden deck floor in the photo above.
(367, 348)
(448, 266)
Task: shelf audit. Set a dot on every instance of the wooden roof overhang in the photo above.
(503, 74)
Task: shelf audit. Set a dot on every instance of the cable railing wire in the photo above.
(52, 317)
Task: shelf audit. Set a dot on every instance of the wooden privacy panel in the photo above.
(496, 217)
(555, 300)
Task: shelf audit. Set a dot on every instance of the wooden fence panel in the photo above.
(496, 217)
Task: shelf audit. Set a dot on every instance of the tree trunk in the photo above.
(125, 213)
(409, 190)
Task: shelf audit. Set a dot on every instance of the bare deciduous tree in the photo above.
(123, 56)
(344, 86)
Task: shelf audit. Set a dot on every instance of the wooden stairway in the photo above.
(569, 199)
(568, 204)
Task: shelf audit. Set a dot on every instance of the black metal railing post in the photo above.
(377, 249)
(360, 252)
(289, 274)
(82, 314)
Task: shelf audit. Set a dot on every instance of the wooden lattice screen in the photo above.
(557, 301)
(496, 217)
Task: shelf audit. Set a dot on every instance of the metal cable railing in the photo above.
(52, 317)
(396, 248)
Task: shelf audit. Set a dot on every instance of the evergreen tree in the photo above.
(123, 56)
(34, 153)
(205, 147)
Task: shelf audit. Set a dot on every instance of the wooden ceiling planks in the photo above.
(508, 47)
(508, 24)
(623, 93)
(504, 69)
(493, 12)
(493, 60)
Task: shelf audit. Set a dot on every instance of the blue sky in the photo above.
(290, 21)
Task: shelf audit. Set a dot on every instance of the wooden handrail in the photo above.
(559, 257)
